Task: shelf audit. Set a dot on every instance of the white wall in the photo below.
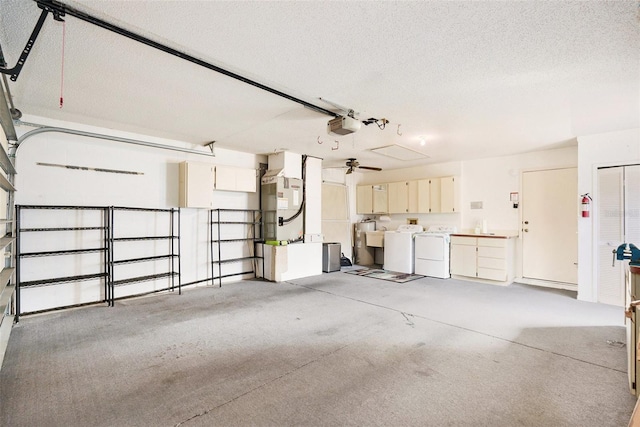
(594, 151)
(156, 187)
(489, 180)
(492, 180)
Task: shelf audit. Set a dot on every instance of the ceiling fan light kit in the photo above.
(353, 163)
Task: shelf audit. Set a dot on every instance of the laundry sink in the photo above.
(375, 238)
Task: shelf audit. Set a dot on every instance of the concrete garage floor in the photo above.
(335, 349)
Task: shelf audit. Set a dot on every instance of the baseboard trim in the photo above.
(479, 280)
(547, 284)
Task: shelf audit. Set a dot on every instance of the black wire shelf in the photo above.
(108, 248)
(53, 207)
(59, 280)
(238, 222)
(244, 239)
(125, 208)
(144, 259)
(235, 274)
(143, 278)
(250, 223)
(130, 239)
(61, 229)
(227, 261)
(64, 252)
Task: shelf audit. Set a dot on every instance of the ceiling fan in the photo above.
(353, 163)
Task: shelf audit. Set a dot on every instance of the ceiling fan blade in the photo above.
(371, 168)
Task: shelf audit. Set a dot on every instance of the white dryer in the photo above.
(432, 250)
(399, 248)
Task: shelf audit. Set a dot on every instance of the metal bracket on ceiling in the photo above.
(15, 71)
(210, 145)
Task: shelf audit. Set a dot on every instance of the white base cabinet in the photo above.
(483, 257)
(464, 256)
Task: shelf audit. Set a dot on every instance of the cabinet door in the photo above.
(463, 260)
(196, 185)
(235, 179)
(246, 180)
(492, 274)
(364, 199)
(398, 197)
(412, 205)
(493, 259)
(423, 196)
(434, 195)
(447, 194)
(380, 201)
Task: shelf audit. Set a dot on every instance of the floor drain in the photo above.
(618, 344)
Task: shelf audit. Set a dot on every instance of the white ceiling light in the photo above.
(399, 152)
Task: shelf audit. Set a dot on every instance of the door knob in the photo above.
(526, 230)
(526, 222)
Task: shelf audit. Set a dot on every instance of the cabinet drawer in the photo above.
(488, 252)
(461, 240)
(492, 242)
(493, 263)
(488, 273)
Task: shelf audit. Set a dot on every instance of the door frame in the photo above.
(519, 246)
(595, 224)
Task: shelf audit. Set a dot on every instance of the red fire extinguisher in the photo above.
(586, 205)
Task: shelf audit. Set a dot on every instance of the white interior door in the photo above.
(335, 223)
(550, 225)
(610, 201)
(618, 204)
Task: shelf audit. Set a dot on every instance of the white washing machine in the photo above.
(399, 248)
(432, 250)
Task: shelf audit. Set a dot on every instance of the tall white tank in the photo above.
(364, 255)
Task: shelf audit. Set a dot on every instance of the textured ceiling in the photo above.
(473, 79)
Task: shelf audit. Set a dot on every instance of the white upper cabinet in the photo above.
(398, 197)
(412, 188)
(364, 199)
(235, 179)
(371, 199)
(435, 194)
(196, 182)
(430, 195)
(424, 196)
(380, 198)
(448, 194)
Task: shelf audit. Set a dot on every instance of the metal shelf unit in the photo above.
(249, 221)
(73, 211)
(172, 236)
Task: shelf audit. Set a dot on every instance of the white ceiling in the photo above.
(474, 79)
